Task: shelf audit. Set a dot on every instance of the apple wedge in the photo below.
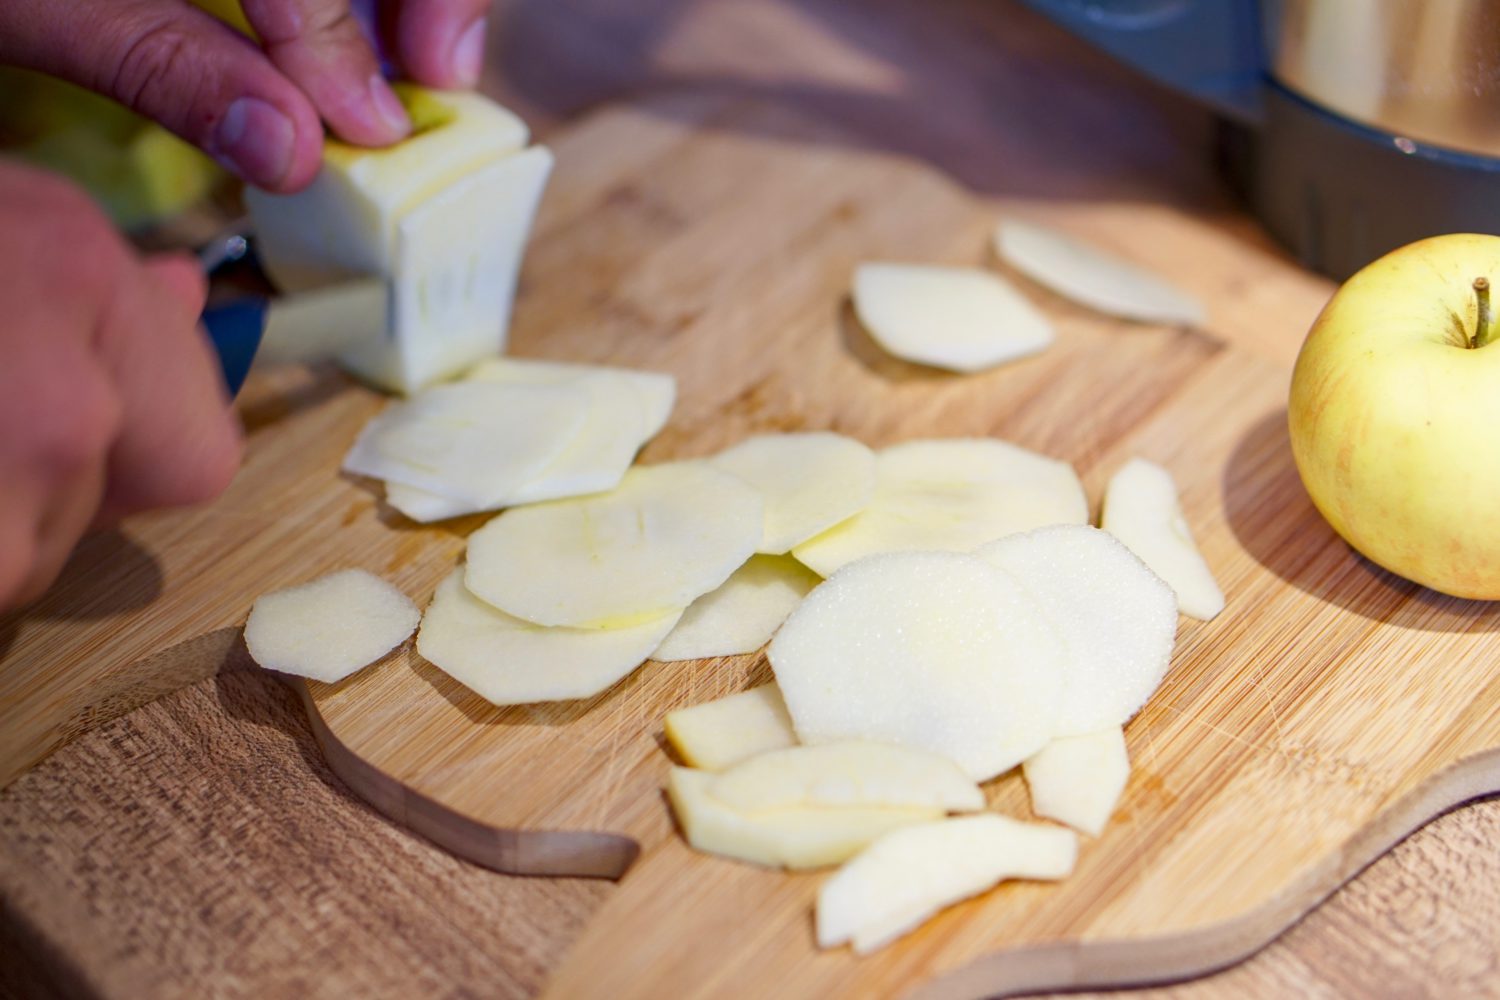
(809, 482)
(1141, 509)
(1077, 780)
(908, 875)
(742, 614)
(856, 773)
(331, 627)
(952, 495)
(720, 733)
(797, 838)
(959, 318)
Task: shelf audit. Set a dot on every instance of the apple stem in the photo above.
(1484, 326)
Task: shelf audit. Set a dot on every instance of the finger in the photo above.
(441, 42)
(67, 516)
(320, 45)
(181, 67)
(182, 278)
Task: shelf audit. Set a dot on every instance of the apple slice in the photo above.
(1092, 277)
(1077, 780)
(1117, 619)
(665, 537)
(951, 495)
(856, 773)
(934, 650)
(508, 661)
(959, 318)
(656, 391)
(720, 733)
(779, 838)
(1142, 510)
(809, 482)
(743, 613)
(908, 875)
(331, 627)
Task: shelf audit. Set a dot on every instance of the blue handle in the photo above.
(234, 330)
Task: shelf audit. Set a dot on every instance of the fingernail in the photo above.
(255, 140)
(467, 58)
(388, 105)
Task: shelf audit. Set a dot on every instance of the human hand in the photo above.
(254, 109)
(110, 399)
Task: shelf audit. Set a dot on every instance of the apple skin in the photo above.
(1393, 417)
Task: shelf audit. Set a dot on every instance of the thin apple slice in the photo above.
(1090, 276)
(331, 627)
(743, 613)
(854, 773)
(779, 838)
(721, 733)
(665, 537)
(508, 661)
(809, 482)
(1077, 780)
(959, 318)
(950, 495)
(1117, 619)
(908, 875)
(934, 650)
(656, 391)
(1141, 509)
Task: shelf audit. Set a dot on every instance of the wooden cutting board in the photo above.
(1329, 710)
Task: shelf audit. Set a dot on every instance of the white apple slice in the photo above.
(809, 482)
(1141, 509)
(1117, 619)
(657, 391)
(779, 838)
(665, 537)
(959, 318)
(743, 613)
(908, 875)
(720, 733)
(1092, 277)
(934, 650)
(331, 627)
(854, 773)
(950, 495)
(1077, 780)
(508, 661)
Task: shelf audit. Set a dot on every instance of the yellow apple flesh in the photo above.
(1394, 398)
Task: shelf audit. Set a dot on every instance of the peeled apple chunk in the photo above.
(950, 495)
(665, 537)
(1077, 780)
(507, 661)
(933, 650)
(720, 733)
(1117, 619)
(809, 482)
(1090, 276)
(1141, 509)
(856, 773)
(958, 318)
(331, 627)
(743, 613)
(909, 875)
(779, 838)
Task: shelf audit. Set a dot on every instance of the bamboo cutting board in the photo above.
(1329, 710)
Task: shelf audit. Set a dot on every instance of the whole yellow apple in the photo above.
(1394, 403)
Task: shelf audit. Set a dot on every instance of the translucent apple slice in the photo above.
(331, 627)
(909, 875)
(1090, 276)
(809, 482)
(1141, 509)
(720, 733)
(950, 495)
(508, 661)
(656, 391)
(665, 537)
(779, 838)
(959, 318)
(742, 614)
(855, 773)
(1077, 780)
(1117, 619)
(933, 650)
